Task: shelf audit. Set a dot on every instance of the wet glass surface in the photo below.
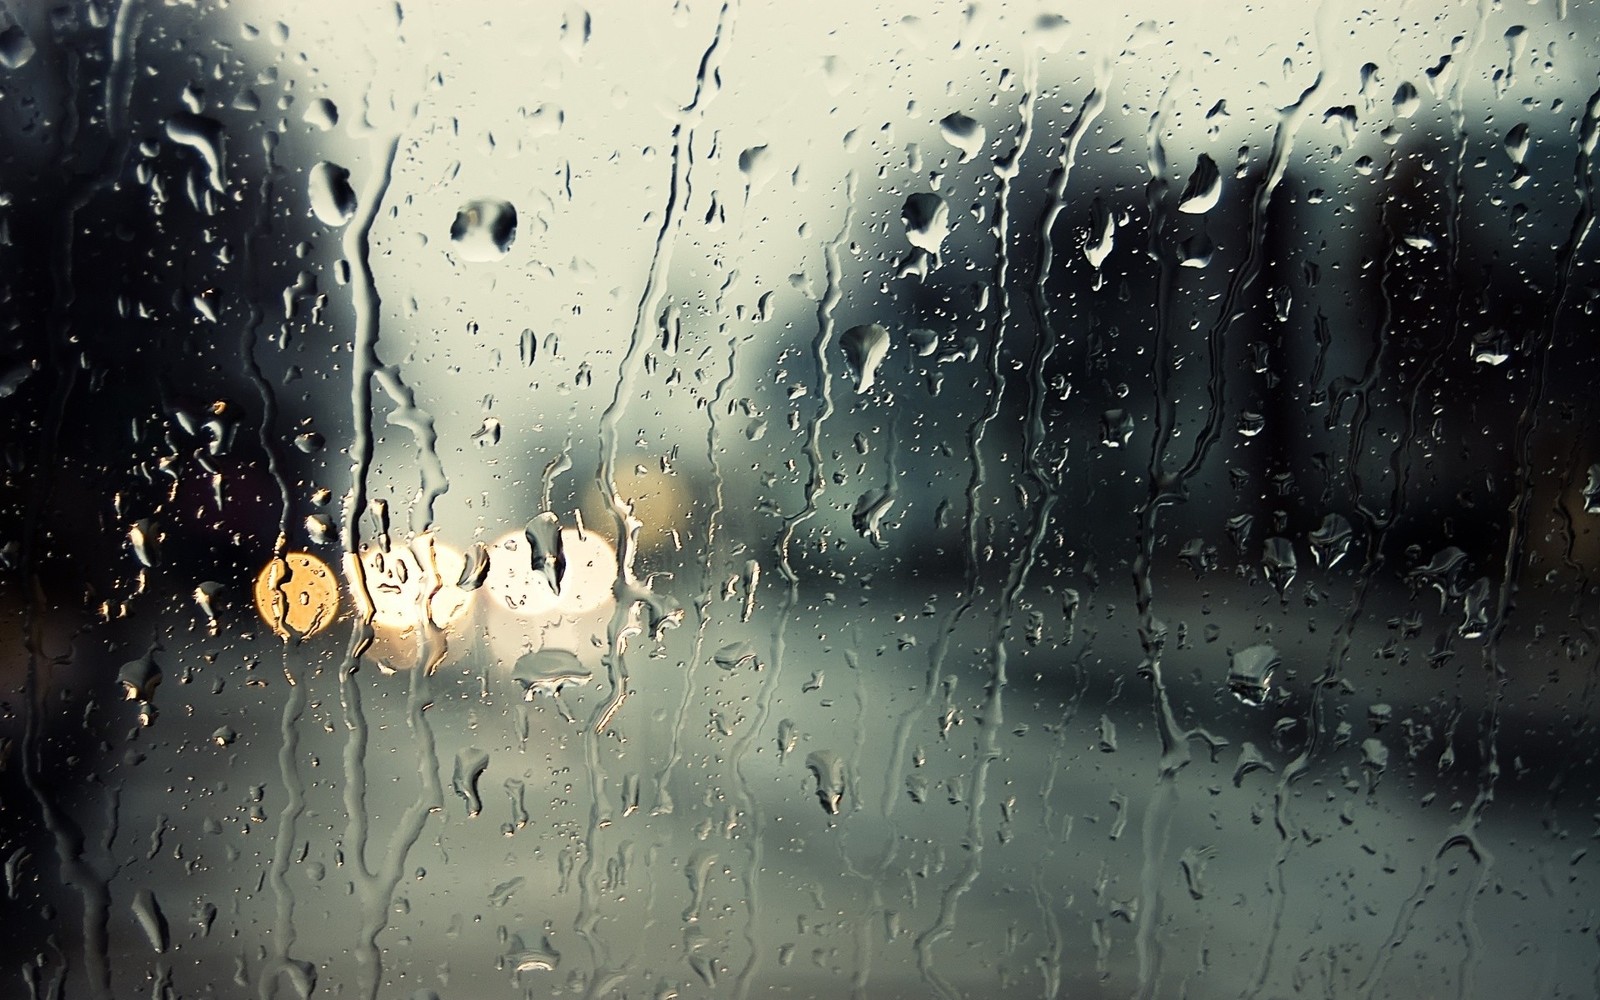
(730, 499)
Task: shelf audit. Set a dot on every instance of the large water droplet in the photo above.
(16, 48)
(1200, 195)
(321, 114)
(927, 221)
(1278, 563)
(1406, 100)
(1100, 238)
(1330, 541)
(546, 555)
(333, 200)
(153, 922)
(829, 770)
(204, 136)
(484, 230)
(471, 762)
(1250, 673)
(547, 671)
(865, 347)
(963, 133)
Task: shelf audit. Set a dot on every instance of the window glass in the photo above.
(745, 499)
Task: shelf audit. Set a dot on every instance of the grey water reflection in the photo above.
(721, 499)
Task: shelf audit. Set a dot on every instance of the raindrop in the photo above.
(1331, 541)
(204, 136)
(865, 348)
(1406, 100)
(471, 762)
(145, 537)
(151, 920)
(738, 653)
(16, 48)
(1278, 562)
(1108, 735)
(1475, 608)
(1200, 195)
(484, 230)
(546, 550)
(321, 114)
(333, 200)
(927, 221)
(923, 342)
(1250, 673)
(522, 958)
(1116, 428)
(140, 678)
(963, 133)
(1591, 490)
(547, 671)
(1101, 235)
(829, 771)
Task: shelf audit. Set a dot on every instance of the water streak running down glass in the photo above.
(734, 499)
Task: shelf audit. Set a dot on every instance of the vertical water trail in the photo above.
(1456, 100)
(1167, 487)
(282, 937)
(816, 484)
(367, 305)
(1377, 522)
(708, 583)
(1464, 832)
(67, 838)
(250, 338)
(375, 886)
(1046, 479)
(626, 591)
(988, 750)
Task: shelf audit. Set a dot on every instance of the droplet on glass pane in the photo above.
(1204, 189)
(1116, 428)
(16, 48)
(1250, 673)
(1278, 563)
(297, 595)
(927, 221)
(865, 348)
(204, 136)
(321, 114)
(333, 200)
(963, 133)
(470, 764)
(1330, 541)
(484, 230)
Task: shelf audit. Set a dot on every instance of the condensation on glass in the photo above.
(743, 499)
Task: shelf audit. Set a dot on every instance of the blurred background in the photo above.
(729, 499)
